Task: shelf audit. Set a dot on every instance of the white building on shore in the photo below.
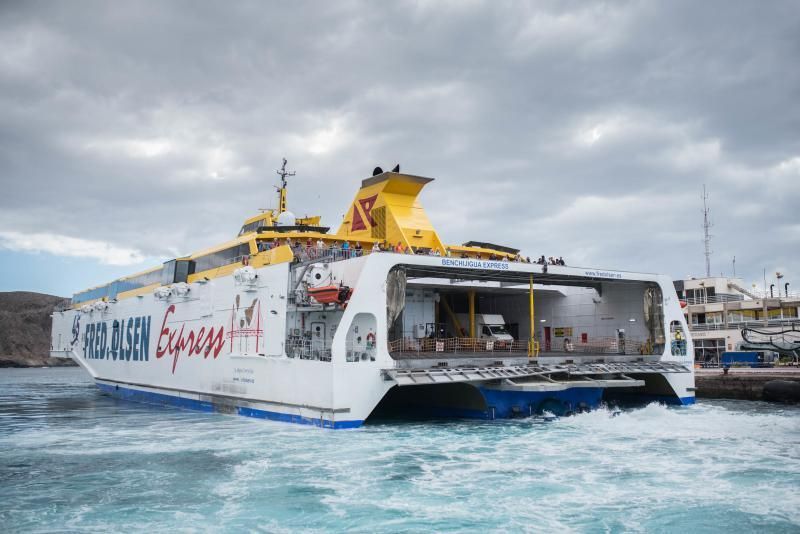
(717, 308)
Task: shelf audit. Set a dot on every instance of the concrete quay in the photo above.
(781, 384)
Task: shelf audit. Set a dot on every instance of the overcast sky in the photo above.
(131, 132)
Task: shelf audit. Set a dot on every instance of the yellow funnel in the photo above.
(386, 208)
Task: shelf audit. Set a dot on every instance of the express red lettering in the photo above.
(193, 343)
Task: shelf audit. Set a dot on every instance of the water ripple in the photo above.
(74, 460)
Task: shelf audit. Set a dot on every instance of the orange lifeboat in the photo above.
(330, 294)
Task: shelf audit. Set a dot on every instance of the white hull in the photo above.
(223, 344)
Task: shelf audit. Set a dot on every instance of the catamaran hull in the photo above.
(225, 345)
(220, 404)
(501, 405)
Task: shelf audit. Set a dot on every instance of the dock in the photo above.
(745, 383)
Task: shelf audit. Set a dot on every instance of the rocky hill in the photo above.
(25, 329)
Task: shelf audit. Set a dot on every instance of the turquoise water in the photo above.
(73, 460)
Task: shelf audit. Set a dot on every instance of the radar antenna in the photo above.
(283, 173)
(706, 235)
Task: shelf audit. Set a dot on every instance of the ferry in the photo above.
(292, 322)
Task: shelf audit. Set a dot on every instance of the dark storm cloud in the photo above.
(564, 128)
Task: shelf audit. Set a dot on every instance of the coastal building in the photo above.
(718, 308)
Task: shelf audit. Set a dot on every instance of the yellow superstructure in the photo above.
(386, 210)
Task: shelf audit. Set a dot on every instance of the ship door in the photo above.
(547, 339)
(318, 337)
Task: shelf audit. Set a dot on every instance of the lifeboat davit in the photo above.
(330, 294)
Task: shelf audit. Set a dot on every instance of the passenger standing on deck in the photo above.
(309, 248)
(320, 247)
(399, 247)
(346, 249)
(358, 249)
(376, 247)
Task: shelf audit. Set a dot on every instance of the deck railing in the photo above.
(456, 345)
(756, 295)
(307, 349)
(749, 323)
(306, 254)
(714, 299)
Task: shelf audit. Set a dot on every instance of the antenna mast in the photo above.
(706, 227)
(283, 173)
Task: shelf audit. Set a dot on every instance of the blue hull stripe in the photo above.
(639, 398)
(508, 403)
(149, 397)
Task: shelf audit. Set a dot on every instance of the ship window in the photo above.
(91, 294)
(112, 289)
(145, 279)
(183, 269)
(168, 272)
(252, 227)
(221, 257)
(176, 271)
